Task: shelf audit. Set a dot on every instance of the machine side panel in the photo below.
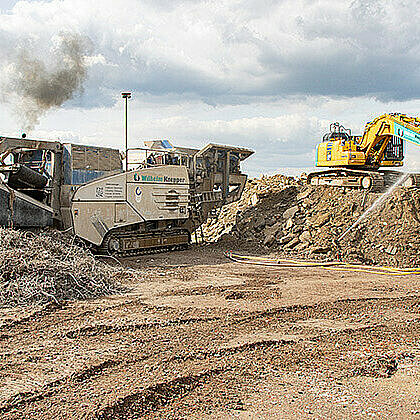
(334, 153)
(150, 194)
(159, 193)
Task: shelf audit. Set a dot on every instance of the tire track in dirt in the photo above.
(112, 367)
(103, 329)
(336, 306)
(69, 313)
(154, 397)
(90, 373)
(47, 309)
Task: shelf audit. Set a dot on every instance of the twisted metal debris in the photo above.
(49, 267)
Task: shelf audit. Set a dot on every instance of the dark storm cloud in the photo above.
(239, 51)
(345, 74)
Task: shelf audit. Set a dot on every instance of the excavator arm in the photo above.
(386, 134)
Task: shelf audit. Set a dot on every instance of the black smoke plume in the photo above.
(36, 86)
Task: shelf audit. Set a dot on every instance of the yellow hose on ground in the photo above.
(330, 265)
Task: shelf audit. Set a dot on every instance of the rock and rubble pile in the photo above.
(255, 190)
(291, 218)
(49, 267)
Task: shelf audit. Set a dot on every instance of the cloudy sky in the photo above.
(265, 74)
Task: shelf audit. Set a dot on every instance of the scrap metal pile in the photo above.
(288, 217)
(50, 267)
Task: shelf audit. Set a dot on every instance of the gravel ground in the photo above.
(202, 337)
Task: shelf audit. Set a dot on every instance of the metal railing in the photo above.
(148, 157)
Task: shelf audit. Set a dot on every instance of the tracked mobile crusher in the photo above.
(158, 204)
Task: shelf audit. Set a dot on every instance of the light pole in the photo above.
(126, 96)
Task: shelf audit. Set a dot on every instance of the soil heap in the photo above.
(288, 217)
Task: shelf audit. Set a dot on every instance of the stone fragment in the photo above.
(321, 219)
(299, 221)
(297, 229)
(302, 195)
(285, 239)
(305, 236)
(270, 233)
(319, 250)
(271, 221)
(258, 223)
(289, 223)
(293, 243)
(391, 250)
(290, 212)
(301, 247)
(269, 240)
(254, 199)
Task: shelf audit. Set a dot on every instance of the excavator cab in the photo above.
(394, 150)
(337, 132)
(339, 148)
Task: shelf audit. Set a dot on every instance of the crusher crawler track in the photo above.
(368, 180)
(127, 244)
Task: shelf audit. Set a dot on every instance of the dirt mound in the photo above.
(49, 267)
(295, 219)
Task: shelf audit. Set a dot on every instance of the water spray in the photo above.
(374, 205)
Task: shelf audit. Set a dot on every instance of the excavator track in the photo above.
(342, 177)
(369, 180)
(128, 244)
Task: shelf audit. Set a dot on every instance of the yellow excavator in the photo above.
(358, 161)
